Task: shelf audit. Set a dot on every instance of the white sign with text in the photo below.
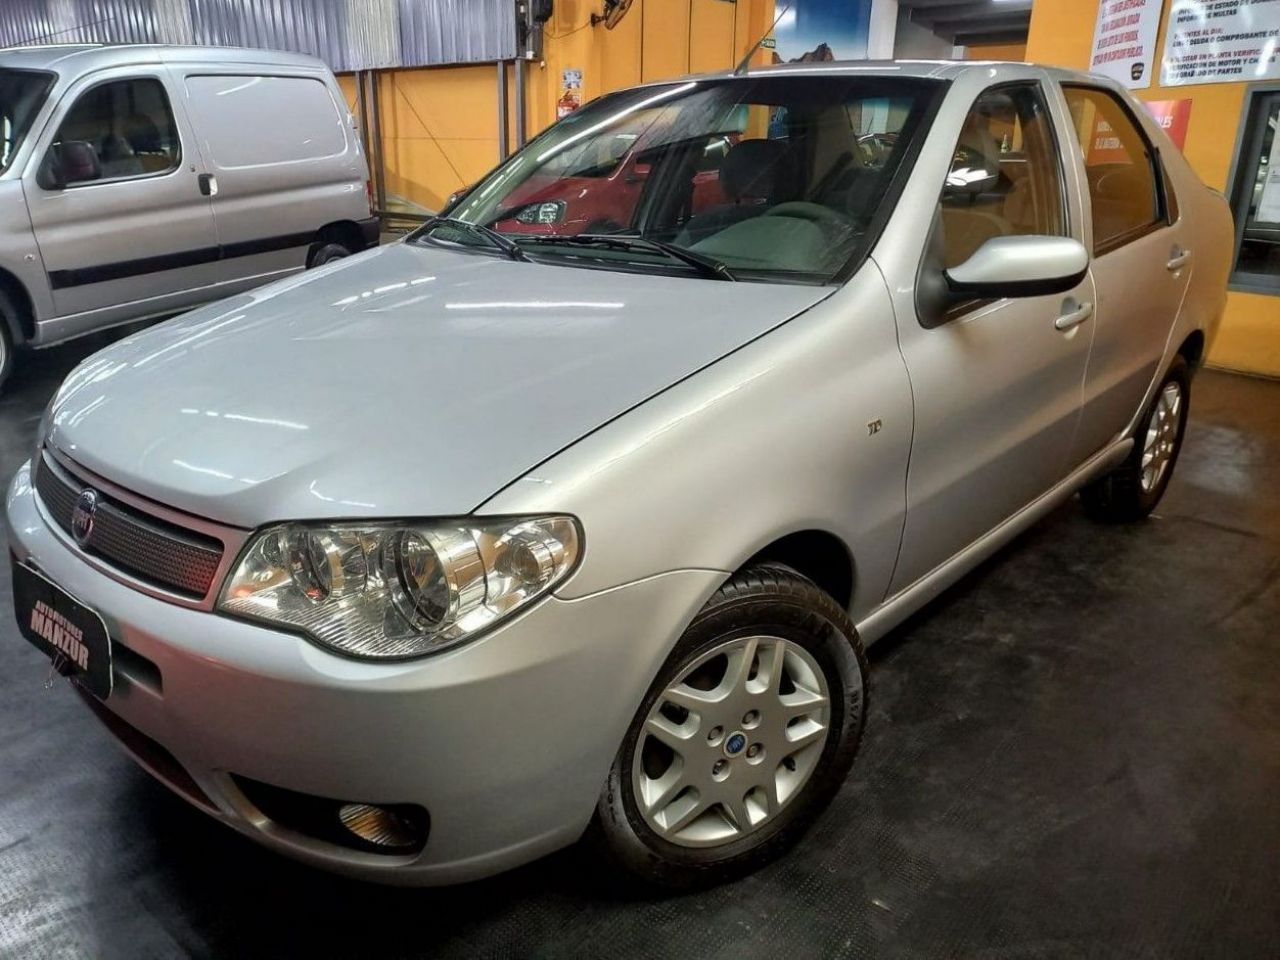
(1222, 41)
(1124, 41)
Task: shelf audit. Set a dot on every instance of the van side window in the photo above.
(1005, 178)
(292, 119)
(1124, 190)
(118, 130)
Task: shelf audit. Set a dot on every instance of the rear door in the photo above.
(284, 163)
(1143, 255)
(128, 234)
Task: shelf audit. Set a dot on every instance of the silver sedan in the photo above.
(573, 512)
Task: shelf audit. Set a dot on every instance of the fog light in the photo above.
(380, 826)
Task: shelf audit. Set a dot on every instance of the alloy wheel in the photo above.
(731, 742)
(1161, 440)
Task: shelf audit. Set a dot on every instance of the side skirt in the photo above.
(910, 599)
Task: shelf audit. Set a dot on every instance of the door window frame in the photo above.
(1245, 157)
(1166, 201)
(932, 259)
(74, 97)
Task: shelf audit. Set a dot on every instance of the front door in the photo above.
(121, 226)
(1136, 233)
(997, 385)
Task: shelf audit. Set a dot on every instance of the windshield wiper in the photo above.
(706, 266)
(492, 237)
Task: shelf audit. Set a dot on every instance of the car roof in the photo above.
(86, 57)
(932, 69)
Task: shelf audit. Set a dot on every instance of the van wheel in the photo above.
(8, 320)
(743, 739)
(1133, 489)
(322, 253)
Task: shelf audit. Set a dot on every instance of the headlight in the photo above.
(549, 211)
(392, 591)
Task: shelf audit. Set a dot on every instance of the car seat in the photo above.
(755, 175)
(973, 199)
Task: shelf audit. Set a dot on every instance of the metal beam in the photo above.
(375, 112)
(503, 143)
(520, 66)
(954, 28)
(974, 7)
(972, 14)
(980, 36)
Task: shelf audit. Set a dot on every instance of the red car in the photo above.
(599, 194)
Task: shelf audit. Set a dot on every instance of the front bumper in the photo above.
(370, 231)
(506, 741)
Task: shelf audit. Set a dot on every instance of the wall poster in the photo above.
(1217, 41)
(1174, 117)
(821, 30)
(1124, 41)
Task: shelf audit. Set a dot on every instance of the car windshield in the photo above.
(777, 178)
(22, 93)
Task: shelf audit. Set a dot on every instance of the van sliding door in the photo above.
(282, 161)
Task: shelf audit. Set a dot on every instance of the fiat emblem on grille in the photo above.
(82, 516)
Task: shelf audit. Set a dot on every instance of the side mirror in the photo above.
(639, 171)
(50, 176)
(1026, 266)
(72, 161)
(457, 197)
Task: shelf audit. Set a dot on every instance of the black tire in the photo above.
(771, 600)
(8, 320)
(326, 252)
(1119, 496)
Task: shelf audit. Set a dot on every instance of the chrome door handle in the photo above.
(208, 184)
(1178, 260)
(1074, 318)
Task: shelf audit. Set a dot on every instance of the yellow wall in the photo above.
(996, 51)
(1062, 34)
(439, 124)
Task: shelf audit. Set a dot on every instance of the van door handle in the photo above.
(1074, 318)
(208, 184)
(1178, 260)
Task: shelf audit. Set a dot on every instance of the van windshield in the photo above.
(22, 93)
(778, 178)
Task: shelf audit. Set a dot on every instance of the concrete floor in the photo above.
(1074, 753)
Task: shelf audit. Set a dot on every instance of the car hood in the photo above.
(407, 381)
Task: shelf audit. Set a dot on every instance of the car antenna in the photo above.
(745, 62)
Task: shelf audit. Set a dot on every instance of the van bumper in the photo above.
(370, 231)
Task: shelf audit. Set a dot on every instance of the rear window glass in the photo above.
(291, 119)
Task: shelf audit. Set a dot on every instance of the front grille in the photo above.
(143, 546)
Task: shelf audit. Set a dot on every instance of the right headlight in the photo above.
(398, 590)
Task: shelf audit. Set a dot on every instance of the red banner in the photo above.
(1174, 116)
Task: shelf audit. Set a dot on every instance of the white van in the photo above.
(139, 181)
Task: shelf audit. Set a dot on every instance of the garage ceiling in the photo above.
(972, 21)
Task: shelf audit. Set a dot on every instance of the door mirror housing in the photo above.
(1023, 266)
(457, 197)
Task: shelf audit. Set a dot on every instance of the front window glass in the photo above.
(1005, 178)
(22, 93)
(770, 178)
(116, 130)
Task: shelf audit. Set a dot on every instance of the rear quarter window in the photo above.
(292, 119)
